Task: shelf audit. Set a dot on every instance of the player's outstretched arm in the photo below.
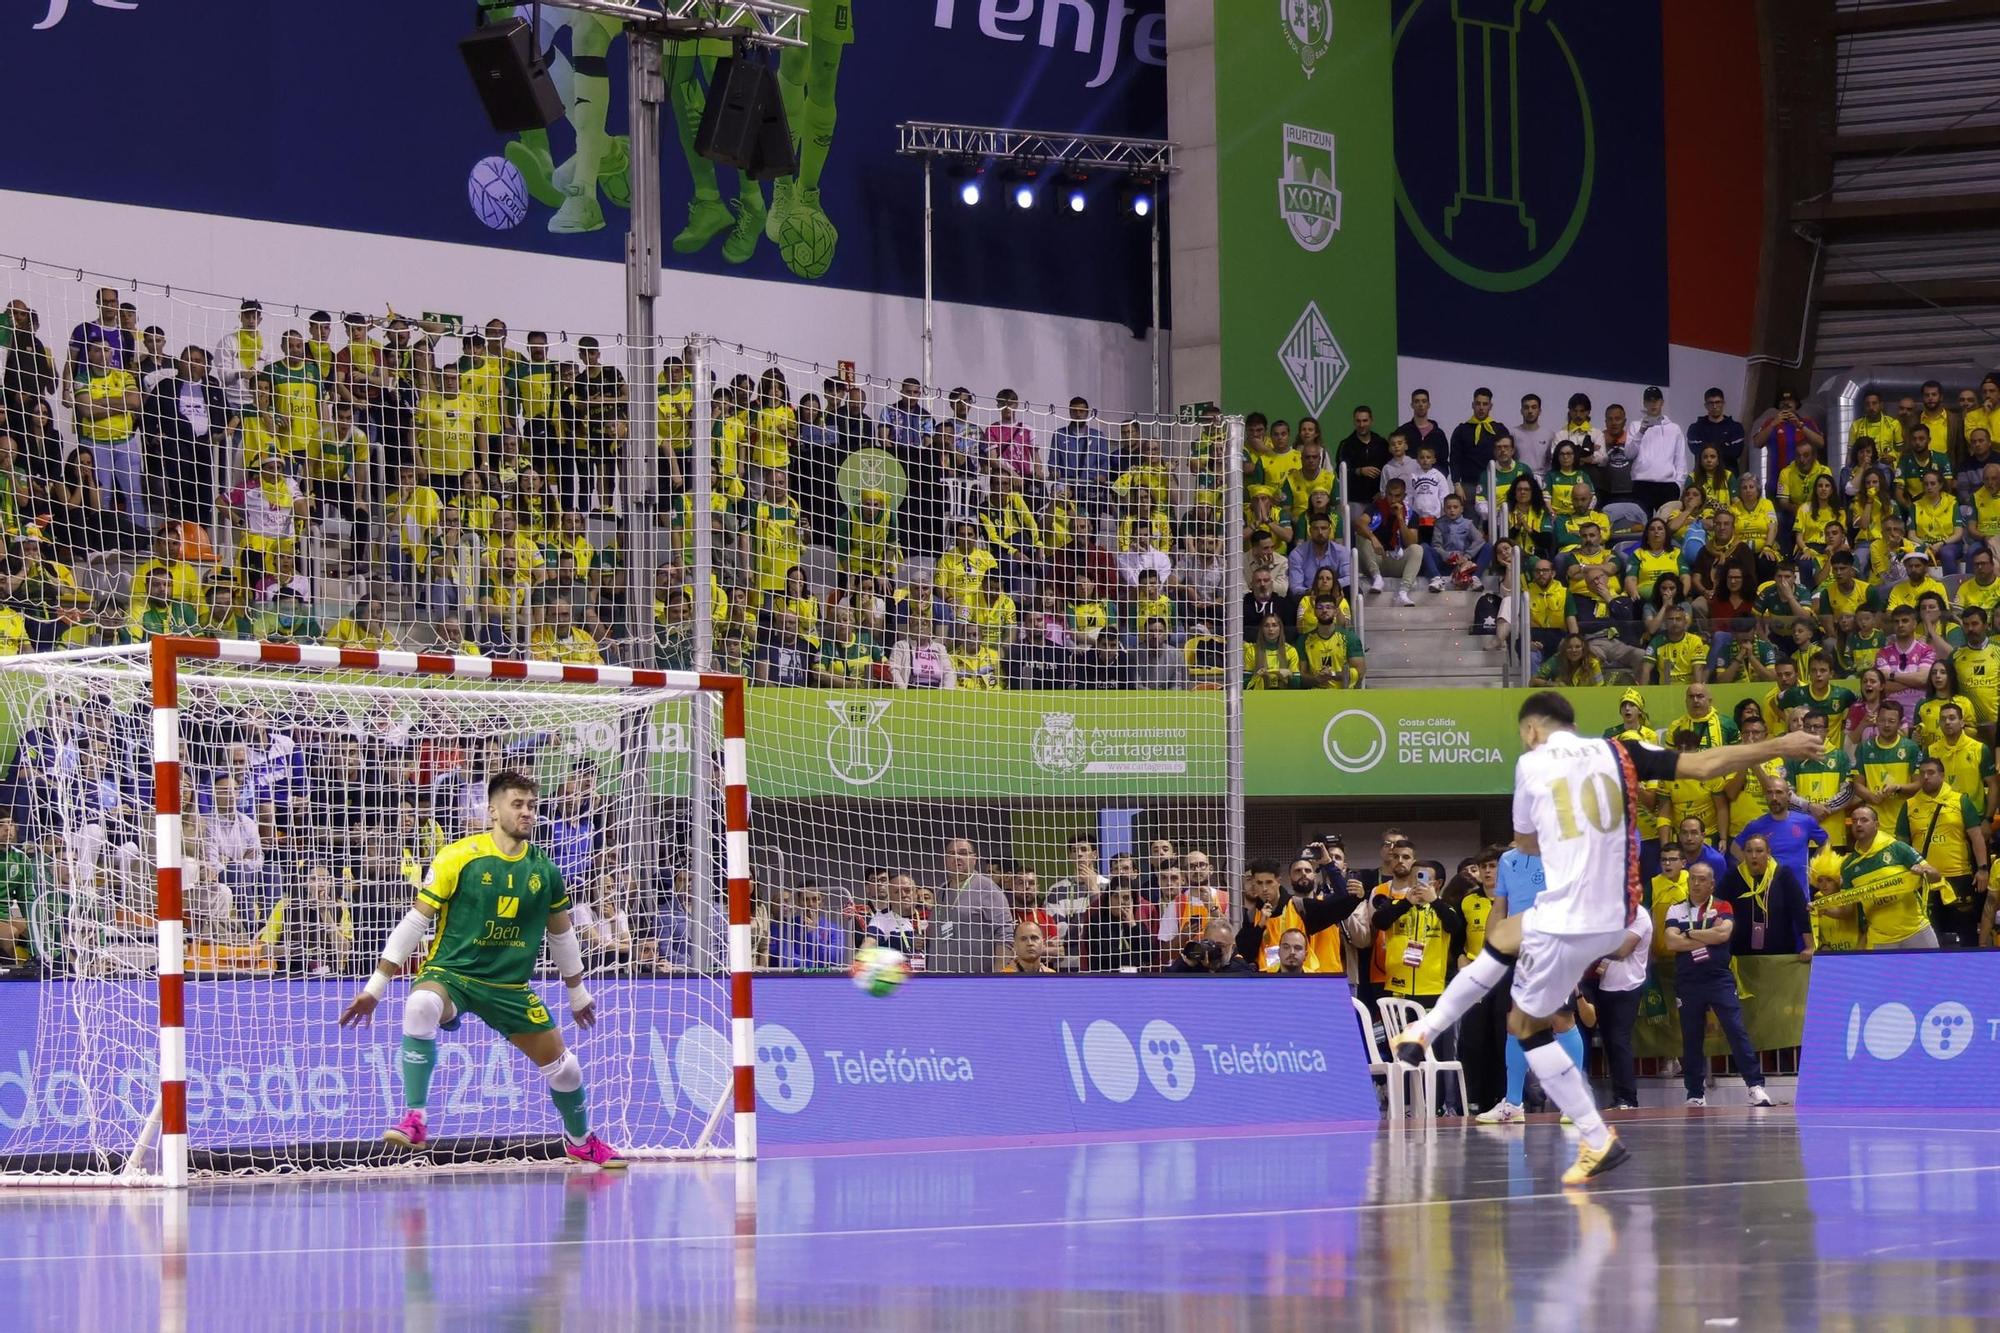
(402, 942)
(1701, 765)
(567, 955)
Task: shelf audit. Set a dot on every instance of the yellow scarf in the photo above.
(1760, 887)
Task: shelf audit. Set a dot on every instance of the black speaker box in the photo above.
(743, 121)
(512, 78)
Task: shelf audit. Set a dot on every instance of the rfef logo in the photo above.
(858, 749)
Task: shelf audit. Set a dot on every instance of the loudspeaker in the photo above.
(743, 121)
(512, 78)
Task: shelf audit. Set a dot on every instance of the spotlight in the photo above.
(1075, 186)
(1137, 196)
(966, 172)
(1019, 178)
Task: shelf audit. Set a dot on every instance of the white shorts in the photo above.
(1549, 966)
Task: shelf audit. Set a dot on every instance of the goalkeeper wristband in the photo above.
(579, 998)
(378, 984)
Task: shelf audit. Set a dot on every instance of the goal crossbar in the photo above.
(168, 653)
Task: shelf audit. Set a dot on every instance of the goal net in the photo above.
(230, 831)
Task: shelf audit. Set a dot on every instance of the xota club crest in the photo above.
(1307, 199)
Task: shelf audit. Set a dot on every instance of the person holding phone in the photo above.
(1418, 935)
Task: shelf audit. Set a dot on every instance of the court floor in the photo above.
(1724, 1219)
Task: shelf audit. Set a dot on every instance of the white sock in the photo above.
(1564, 1085)
(1466, 989)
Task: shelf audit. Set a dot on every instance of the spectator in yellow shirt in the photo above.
(366, 627)
(1270, 663)
(558, 638)
(450, 434)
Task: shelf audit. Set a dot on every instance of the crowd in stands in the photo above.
(1168, 908)
(1650, 551)
(399, 482)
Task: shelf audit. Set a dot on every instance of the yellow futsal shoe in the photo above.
(1592, 1162)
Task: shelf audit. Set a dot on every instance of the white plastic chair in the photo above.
(1397, 1014)
(1394, 1075)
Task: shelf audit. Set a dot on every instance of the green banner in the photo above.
(967, 744)
(1306, 208)
(1773, 991)
(1415, 742)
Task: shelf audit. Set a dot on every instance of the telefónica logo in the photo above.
(1107, 1060)
(1890, 1030)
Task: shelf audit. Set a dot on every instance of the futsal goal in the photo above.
(227, 830)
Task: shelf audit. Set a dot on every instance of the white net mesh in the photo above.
(1041, 676)
(315, 801)
(997, 622)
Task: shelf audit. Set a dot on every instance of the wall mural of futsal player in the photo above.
(578, 47)
(581, 72)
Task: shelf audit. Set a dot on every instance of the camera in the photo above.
(1204, 954)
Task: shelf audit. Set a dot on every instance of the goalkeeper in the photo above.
(493, 896)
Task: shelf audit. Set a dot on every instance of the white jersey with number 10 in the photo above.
(1572, 795)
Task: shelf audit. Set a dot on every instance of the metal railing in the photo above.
(1357, 604)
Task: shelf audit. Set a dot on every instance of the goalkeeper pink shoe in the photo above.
(596, 1152)
(409, 1132)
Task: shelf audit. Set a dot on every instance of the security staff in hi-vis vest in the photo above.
(1269, 911)
(1417, 935)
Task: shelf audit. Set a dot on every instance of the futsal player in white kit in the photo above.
(1575, 806)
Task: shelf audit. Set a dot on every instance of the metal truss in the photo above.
(1102, 152)
(757, 22)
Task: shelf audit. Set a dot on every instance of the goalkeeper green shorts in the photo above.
(508, 1010)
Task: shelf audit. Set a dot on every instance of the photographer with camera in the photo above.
(1316, 905)
(1213, 954)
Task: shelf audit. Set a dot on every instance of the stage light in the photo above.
(966, 171)
(1075, 189)
(1138, 197)
(1019, 178)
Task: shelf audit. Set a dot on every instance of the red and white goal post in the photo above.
(248, 1070)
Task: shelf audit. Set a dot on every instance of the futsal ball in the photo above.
(877, 970)
(497, 193)
(805, 242)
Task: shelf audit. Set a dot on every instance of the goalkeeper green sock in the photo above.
(792, 83)
(815, 141)
(419, 1063)
(586, 117)
(576, 1125)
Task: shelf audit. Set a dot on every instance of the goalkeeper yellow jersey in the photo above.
(492, 910)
